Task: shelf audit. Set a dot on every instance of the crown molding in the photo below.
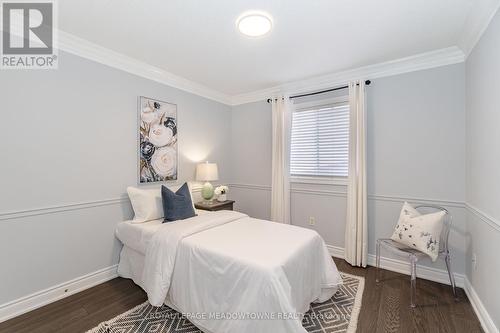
(477, 22)
(437, 58)
(83, 48)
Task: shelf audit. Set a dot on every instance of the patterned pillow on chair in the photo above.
(418, 231)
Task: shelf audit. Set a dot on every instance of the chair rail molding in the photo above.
(61, 208)
(489, 220)
(313, 190)
(250, 186)
(397, 198)
(4, 216)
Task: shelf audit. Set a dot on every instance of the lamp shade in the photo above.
(207, 172)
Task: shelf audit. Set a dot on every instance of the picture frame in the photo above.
(157, 141)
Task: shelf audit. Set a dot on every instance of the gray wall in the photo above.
(416, 125)
(483, 168)
(416, 149)
(251, 159)
(69, 136)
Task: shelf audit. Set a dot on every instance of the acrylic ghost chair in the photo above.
(413, 255)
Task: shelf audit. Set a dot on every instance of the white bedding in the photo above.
(137, 235)
(225, 265)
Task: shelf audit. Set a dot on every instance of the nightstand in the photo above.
(215, 205)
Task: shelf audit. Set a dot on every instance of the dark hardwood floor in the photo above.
(385, 307)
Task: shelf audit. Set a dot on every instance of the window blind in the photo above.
(320, 141)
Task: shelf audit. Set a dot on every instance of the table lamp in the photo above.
(207, 172)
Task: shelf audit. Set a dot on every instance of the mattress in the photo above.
(138, 235)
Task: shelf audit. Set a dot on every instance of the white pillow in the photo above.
(147, 203)
(421, 232)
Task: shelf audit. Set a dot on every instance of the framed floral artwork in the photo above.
(157, 141)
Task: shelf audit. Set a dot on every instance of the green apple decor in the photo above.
(207, 192)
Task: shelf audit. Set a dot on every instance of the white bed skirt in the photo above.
(131, 265)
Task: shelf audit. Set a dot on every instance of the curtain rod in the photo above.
(367, 82)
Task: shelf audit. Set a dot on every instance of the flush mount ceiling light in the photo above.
(254, 24)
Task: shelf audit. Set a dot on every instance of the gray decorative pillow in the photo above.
(178, 205)
(421, 232)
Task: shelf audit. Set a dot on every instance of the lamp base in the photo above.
(207, 192)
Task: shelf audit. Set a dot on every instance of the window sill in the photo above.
(340, 181)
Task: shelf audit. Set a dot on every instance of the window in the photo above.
(320, 140)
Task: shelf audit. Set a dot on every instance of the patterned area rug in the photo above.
(338, 314)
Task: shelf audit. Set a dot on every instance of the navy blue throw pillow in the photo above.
(178, 205)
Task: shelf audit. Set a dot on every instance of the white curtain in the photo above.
(280, 187)
(356, 251)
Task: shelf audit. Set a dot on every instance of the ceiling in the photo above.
(198, 40)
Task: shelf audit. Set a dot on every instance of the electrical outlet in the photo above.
(312, 220)
(474, 261)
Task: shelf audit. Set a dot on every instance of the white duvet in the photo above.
(231, 273)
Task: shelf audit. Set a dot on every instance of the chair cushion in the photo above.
(178, 205)
(420, 232)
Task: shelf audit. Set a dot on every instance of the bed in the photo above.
(228, 272)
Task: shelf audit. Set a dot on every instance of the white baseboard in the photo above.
(483, 315)
(336, 251)
(403, 267)
(52, 294)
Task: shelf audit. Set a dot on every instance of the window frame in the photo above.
(319, 180)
